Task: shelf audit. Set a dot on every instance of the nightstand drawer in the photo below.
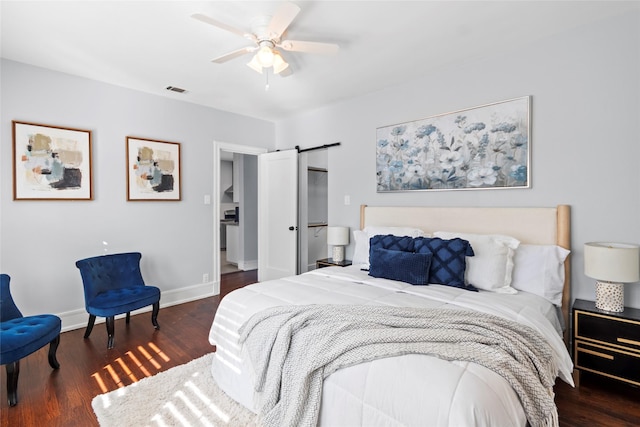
(603, 328)
(329, 262)
(622, 365)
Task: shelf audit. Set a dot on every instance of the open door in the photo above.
(277, 214)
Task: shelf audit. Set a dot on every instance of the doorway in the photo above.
(221, 151)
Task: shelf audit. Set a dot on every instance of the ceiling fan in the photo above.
(266, 34)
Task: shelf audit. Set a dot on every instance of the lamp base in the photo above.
(610, 296)
(338, 253)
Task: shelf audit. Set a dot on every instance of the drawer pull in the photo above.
(595, 353)
(626, 341)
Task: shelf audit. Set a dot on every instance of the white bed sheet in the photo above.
(404, 390)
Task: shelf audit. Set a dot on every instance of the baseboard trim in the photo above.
(76, 319)
(248, 265)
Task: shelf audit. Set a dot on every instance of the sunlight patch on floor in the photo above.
(185, 399)
(132, 367)
(114, 375)
(101, 383)
(148, 356)
(139, 365)
(159, 352)
(126, 369)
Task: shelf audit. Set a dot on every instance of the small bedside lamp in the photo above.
(611, 264)
(339, 238)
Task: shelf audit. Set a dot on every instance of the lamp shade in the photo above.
(279, 64)
(612, 262)
(338, 236)
(254, 64)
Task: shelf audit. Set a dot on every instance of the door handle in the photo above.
(292, 228)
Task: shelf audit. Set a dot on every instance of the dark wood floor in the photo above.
(87, 368)
(63, 397)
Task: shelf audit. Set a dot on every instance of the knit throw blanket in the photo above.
(293, 348)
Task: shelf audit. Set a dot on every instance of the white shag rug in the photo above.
(185, 395)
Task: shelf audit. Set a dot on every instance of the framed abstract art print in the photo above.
(153, 170)
(51, 162)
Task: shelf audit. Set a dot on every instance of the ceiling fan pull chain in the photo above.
(266, 74)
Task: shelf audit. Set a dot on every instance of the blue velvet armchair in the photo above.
(113, 285)
(20, 336)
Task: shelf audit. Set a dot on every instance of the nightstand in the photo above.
(606, 343)
(329, 262)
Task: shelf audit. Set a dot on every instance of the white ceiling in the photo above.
(149, 45)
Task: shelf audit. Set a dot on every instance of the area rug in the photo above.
(185, 395)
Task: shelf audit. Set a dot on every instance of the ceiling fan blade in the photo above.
(208, 20)
(282, 19)
(310, 47)
(231, 55)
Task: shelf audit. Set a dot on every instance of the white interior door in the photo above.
(277, 214)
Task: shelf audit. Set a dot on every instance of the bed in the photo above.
(409, 383)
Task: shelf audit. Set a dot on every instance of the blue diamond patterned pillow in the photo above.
(448, 262)
(389, 241)
(408, 267)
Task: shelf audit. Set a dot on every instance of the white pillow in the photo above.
(361, 239)
(539, 269)
(491, 268)
(361, 251)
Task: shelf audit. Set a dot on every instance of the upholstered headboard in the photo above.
(536, 225)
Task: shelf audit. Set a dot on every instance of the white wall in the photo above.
(585, 88)
(248, 257)
(41, 240)
(226, 181)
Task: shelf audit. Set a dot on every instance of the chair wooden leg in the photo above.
(154, 315)
(92, 321)
(13, 370)
(128, 317)
(53, 348)
(110, 327)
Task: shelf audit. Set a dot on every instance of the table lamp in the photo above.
(611, 264)
(339, 238)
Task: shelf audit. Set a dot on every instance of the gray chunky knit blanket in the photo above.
(293, 348)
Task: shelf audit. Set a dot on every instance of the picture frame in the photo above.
(153, 170)
(483, 147)
(51, 162)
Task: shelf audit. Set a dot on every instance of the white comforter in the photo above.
(409, 390)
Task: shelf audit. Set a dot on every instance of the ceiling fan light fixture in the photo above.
(265, 56)
(266, 35)
(254, 64)
(279, 64)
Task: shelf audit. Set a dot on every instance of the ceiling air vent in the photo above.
(176, 89)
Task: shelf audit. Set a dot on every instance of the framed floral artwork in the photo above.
(153, 170)
(484, 147)
(51, 162)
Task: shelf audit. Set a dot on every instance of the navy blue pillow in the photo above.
(448, 262)
(408, 267)
(389, 241)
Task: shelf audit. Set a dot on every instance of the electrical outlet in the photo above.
(347, 200)
(205, 278)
